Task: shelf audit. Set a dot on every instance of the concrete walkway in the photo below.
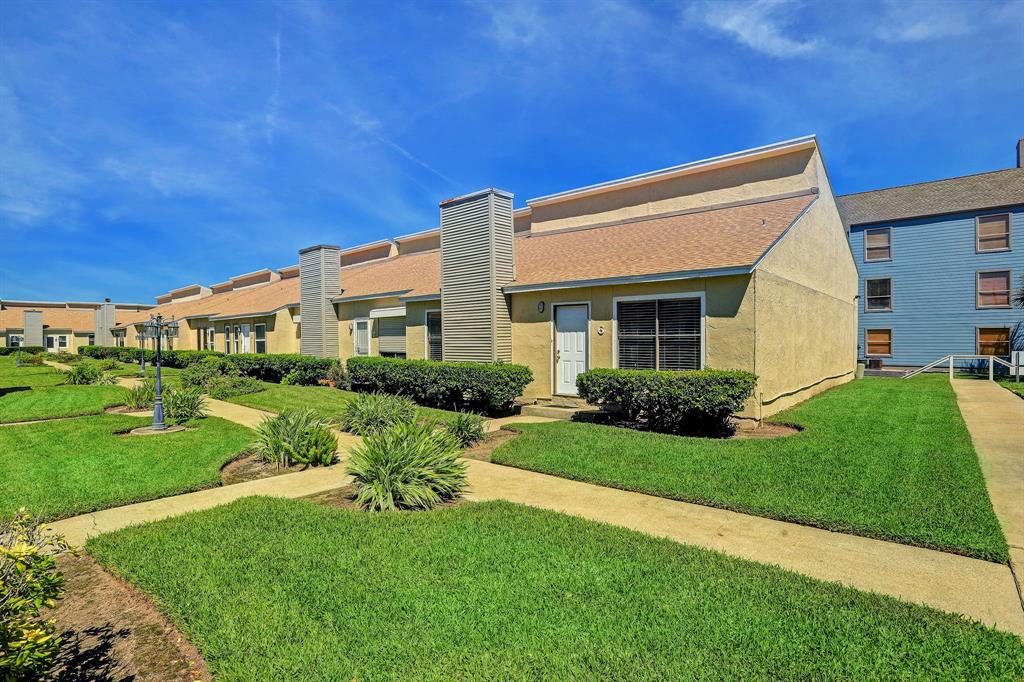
(995, 419)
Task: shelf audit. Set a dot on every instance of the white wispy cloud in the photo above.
(761, 25)
(274, 106)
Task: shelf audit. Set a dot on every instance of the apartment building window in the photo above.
(993, 341)
(261, 338)
(434, 347)
(993, 232)
(878, 295)
(15, 340)
(663, 334)
(361, 337)
(993, 289)
(238, 339)
(211, 338)
(878, 342)
(227, 338)
(878, 244)
(91, 339)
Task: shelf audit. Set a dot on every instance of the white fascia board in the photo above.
(369, 297)
(398, 311)
(633, 279)
(423, 297)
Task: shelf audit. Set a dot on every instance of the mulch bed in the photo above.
(112, 631)
(250, 467)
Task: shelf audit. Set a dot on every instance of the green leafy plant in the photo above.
(32, 360)
(472, 386)
(338, 376)
(370, 413)
(86, 374)
(305, 375)
(697, 402)
(108, 365)
(409, 466)
(467, 428)
(141, 396)
(183, 404)
(296, 437)
(228, 386)
(201, 374)
(63, 356)
(13, 350)
(29, 581)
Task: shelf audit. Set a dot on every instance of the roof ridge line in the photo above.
(927, 182)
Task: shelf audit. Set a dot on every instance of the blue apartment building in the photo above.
(939, 264)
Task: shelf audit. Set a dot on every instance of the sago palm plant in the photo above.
(409, 466)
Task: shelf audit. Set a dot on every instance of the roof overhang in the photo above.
(745, 156)
(266, 313)
(369, 297)
(421, 297)
(632, 279)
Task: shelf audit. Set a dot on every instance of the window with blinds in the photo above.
(993, 232)
(878, 341)
(434, 347)
(994, 289)
(994, 341)
(878, 244)
(391, 335)
(660, 334)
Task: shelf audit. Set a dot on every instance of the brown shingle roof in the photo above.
(714, 239)
(256, 300)
(968, 193)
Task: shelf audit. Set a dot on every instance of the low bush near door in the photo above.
(472, 386)
(409, 466)
(371, 413)
(29, 581)
(25, 350)
(299, 437)
(697, 402)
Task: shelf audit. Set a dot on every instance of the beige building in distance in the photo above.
(61, 326)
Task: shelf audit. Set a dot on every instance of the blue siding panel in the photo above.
(933, 269)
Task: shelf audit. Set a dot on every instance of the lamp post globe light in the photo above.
(157, 328)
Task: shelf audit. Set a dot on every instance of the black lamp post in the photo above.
(142, 353)
(157, 329)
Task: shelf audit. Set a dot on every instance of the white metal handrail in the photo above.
(951, 359)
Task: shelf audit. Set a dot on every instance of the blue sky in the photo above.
(147, 145)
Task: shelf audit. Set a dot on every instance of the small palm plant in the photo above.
(467, 428)
(141, 396)
(371, 413)
(183, 405)
(86, 374)
(409, 466)
(296, 437)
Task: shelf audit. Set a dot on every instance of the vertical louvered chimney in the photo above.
(319, 281)
(477, 260)
(33, 328)
(1020, 153)
(103, 320)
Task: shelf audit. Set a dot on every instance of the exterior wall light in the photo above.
(540, 306)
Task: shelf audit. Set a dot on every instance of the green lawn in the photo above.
(325, 400)
(272, 589)
(879, 457)
(1013, 386)
(28, 393)
(64, 468)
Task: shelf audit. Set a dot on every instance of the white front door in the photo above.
(246, 343)
(570, 346)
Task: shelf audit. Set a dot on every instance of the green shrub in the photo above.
(183, 404)
(275, 367)
(228, 386)
(13, 350)
(370, 413)
(85, 374)
(108, 365)
(29, 581)
(32, 360)
(467, 428)
(201, 374)
(296, 437)
(63, 357)
(693, 402)
(305, 375)
(338, 375)
(409, 466)
(141, 396)
(470, 386)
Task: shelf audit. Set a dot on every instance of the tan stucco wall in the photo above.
(282, 332)
(357, 309)
(806, 309)
(775, 175)
(729, 324)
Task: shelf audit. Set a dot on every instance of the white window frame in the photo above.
(15, 340)
(227, 338)
(659, 297)
(355, 336)
(211, 338)
(426, 332)
(256, 338)
(892, 301)
(1009, 233)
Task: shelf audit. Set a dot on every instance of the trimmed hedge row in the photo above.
(463, 386)
(693, 402)
(12, 350)
(296, 369)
